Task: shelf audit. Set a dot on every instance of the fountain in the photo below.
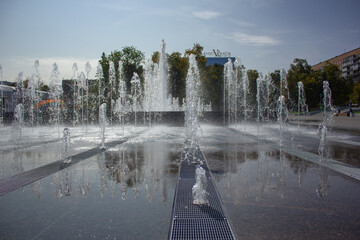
(282, 116)
(18, 123)
(325, 125)
(56, 92)
(112, 79)
(81, 85)
(103, 122)
(135, 173)
(66, 145)
(156, 96)
(191, 113)
(87, 70)
(199, 189)
(302, 107)
(121, 102)
(135, 95)
(74, 78)
(229, 92)
(99, 77)
(244, 93)
(2, 96)
(157, 85)
(33, 85)
(261, 99)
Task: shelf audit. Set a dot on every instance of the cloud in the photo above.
(256, 40)
(243, 23)
(207, 15)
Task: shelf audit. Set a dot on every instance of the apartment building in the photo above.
(348, 63)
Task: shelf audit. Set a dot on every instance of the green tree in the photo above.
(275, 77)
(341, 88)
(155, 57)
(275, 90)
(44, 87)
(252, 76)
(201, 60)
(299, 71)
(313, 89)
(115, 57)
(104, 85)
(178, 66)
(213, 86)
(355, 95)
(132, 60)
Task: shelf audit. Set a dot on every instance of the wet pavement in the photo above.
(127, 191)
(270, 194)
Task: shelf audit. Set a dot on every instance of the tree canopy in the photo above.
(211, 77)
(300, 70)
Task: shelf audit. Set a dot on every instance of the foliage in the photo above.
(211, 77)
(275, 76)
(131, 59)
(200, 58)
(155, 57)
(299, 71)
(313, 88)
(213, 86)
(341, 88)
(43, 87)
(252, 76)
(178, 66)
(355, 95)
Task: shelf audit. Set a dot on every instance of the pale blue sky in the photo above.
(265, 34)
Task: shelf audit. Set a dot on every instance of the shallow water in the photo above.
(127, 191)
(272, 195)
(123, 193)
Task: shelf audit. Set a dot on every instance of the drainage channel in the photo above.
(20, 180)
(191, 221)
(35, 144)
(343, 168)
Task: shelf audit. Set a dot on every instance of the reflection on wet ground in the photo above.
(343, 146)
(273, 195)
(123, 193)
(127, 191)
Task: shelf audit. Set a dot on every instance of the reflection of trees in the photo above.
(145, 166)
(62, 182)
(125, 166)
(139, 167)
(324, 185)
(248, 172)
(298, 166)
(71, 181)
(17, 163)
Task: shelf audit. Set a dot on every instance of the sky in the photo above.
(265, 34)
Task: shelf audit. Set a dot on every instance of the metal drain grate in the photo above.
(184, 208)
(188, 170)
(201, 229)
(191, 221)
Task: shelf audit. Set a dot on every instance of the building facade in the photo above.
(218, 57)
(218, 60)
(348, 63)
